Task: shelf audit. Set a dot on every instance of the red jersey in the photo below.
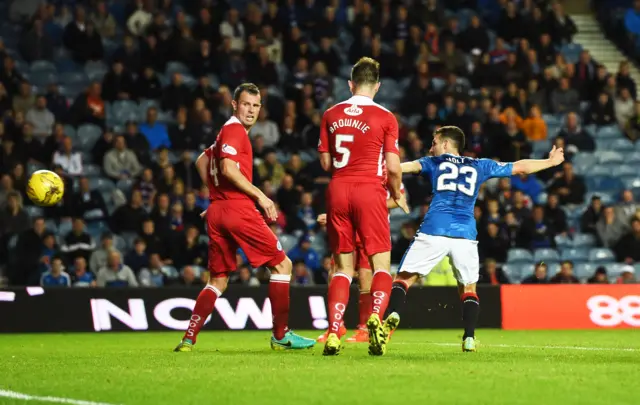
(357, 133)
(232, 143)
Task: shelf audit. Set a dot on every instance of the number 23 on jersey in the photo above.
(449, 179)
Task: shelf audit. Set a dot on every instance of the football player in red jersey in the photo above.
(234, 222)
(365, 275)
(357, 138)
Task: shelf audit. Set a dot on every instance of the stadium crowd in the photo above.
(120, 97)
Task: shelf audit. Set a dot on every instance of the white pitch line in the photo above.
(613, 349)
(26, 397)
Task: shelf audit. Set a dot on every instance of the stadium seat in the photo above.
(608, 132)
(288, 242)
(43, 79)
(438, 83)
(576, 255)
(624, 170)
(582, 240)
(610, 157)
(66, 65)
(125, 185)
(102, 184)
(89, 130)
(176, 67)
(603, 183)
(614, 270)
(541, 148)
(563, 241)
(631, 182)
(601, 255)
(632, 157)
(119, 243)
(621, 145)
(515, 272)
(87, 140)
(96, 229)
(519, 256)
(91, 170)
(606, 197)
(34, 211)
(51, 226)
(319, 244)
(64, 227)
(584, 270)
(545, 255)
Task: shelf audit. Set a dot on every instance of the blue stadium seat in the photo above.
(119, 243)
(145, 104)
(51, 226)
(43, 79)
(176, 67)
(90, 170)
(129, 238)
(541, 148)
(614, 270)
(74, 78)
(319, 244)
(576, 255)
(632, 157)
(624, 170)
(515, 272)
(40, 66)
(189, 81)
(32, 167)
(438, 83)
(581, 240)
(70, 131)
(519, 256)
(288, 242)
(102, 184)
(96, 229)
(34, 211)
(64, 227)
(606, 197)
(584, 161)
(601, 255)
(603, 183)
(563, 241)
(621, 145)
(609, 132)
(631, 182)
(545, 255)
(86, 141)
(610, 157)
(584, 270)
(125, 185)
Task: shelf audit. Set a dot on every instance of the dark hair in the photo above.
(366, 71)
(569, 262)
(245, 87)
(452, 133)
(542, 264)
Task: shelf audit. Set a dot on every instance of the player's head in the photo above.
(447, 139)
(365, 77)
(246, 103)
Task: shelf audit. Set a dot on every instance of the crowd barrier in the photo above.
(34, 309)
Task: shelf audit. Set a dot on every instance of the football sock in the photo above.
(338, 298)
(398, 298)
(470, 310)
(380, 292)
(203, 308)
(279, 297)
(364, 307)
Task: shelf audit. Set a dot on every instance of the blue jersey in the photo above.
(50, 280)
(455, 182)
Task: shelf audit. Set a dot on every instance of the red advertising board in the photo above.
(570, 306)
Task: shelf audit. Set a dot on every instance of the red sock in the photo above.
(338, 299)
(380, 292)
(279, 297)
(364, 307)
(204, 307)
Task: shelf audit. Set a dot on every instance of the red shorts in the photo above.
(358, 208)
(238, 224)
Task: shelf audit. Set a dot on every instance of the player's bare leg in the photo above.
(361, 335)
(470, 311)
(283, 338)
(204, 307)
(338, 298)
(343, 330)
(380, 293)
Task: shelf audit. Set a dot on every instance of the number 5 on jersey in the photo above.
(343, 150)
(447, 181)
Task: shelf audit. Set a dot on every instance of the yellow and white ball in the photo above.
(45, 188)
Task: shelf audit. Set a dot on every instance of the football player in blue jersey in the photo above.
(449, 227)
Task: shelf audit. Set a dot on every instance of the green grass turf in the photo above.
(240, 368)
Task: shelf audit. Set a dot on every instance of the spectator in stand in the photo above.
(556, 216)
(627, 207)
(491, 274)
(492, 242)
(539, 275)
(569, 187)
(601, 113)
(591, 216)
(565, 275)
(599, 276)
(536, 231)
(246, 277)
(116, 273)
(301, 274)
(632, 20)
(120, 163)
(41, 118)
(88, 203)
(632, 128)
(564, 99)
(576, 138)
(154, 274)
(624, 79)
(189, 277)
(118, 84)
(534, 127)
(56, 276)
(129, 217)
(25, 100)
(267, 128)
(628, 247)
(36, 44)
(562, 26)
(80, 275)
(155, 132)
(628, 276)
(99, 257)
(625, 107)
(68, 159)
(89, 107)
(78, 243)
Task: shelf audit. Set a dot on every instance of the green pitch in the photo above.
(421, 367)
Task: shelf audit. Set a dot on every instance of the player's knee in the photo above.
(284, 267)
(220, 282)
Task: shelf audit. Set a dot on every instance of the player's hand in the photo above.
(268, 207)
(402, 203)
(203, 214)
(322, 219)
(556, 156)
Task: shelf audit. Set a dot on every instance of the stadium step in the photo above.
(591, 37)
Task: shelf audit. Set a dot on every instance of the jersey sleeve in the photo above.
(323, 142)
(232, 142)
(491, 168)
(391, 135)
(427, 166)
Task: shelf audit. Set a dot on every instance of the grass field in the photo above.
(421, 367)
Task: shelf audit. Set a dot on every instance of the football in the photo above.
(45, 188)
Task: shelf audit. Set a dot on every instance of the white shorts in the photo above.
(426, 251)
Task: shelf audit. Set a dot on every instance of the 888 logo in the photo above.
(608, 311)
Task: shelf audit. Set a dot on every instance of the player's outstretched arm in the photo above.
(230, 171)
(394, 180)
(528, 166)
(411, 167)
(202, 166)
